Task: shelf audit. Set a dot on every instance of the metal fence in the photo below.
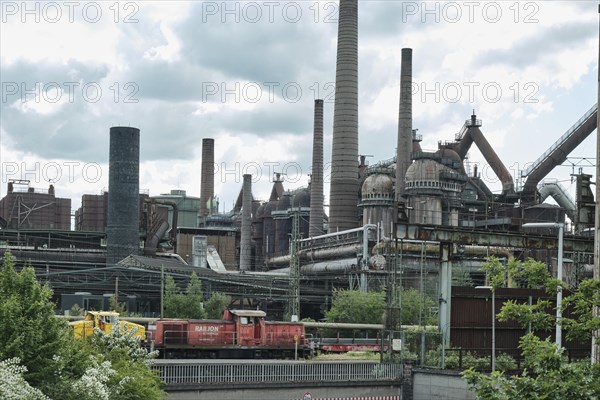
(202, 373)
(421, 348)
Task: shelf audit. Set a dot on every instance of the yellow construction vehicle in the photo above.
(104, 320)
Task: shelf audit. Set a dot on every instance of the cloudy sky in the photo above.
(247, 73)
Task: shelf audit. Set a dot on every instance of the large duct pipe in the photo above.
(245, 241)
(155, 237)
(494, 161)
(207, 176)
(560, 195)
(122, 230)
(316, 181)
(405, 132)
(319, 254)
(343, 208)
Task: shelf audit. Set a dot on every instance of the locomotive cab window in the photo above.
(244, 320)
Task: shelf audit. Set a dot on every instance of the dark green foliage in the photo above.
(524, 314)
(416, 308)
(545, 377)
(141, 383)
(55, 360)
(184, 305)
(461, 276)
(29, 330)
(530, 274)
(353, 306)
(76, 311)
(215, 305)
(582, 323)
(495, 272)
(117, 306)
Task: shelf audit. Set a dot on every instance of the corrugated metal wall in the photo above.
(471, 321)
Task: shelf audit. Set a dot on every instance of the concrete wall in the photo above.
(442, 385)
(312, 393)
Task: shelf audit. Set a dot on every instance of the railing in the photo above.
(202, 372)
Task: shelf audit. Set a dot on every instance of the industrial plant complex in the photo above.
(414, 219)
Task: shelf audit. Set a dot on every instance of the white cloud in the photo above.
(169, 51)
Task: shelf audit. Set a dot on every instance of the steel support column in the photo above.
(445, 291)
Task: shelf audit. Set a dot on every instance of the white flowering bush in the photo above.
(120, 338)
(12, 384)
(95, 382)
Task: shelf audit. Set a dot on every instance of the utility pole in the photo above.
(162, 290)
(596, 334)
(116, 293)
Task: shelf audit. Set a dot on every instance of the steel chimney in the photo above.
(122, 230)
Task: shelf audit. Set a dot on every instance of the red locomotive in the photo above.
(241, 334)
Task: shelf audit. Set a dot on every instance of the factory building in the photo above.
(91, 216)
(26, 207)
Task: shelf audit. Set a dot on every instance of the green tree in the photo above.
(117, 306)
(461, 276)
(184, 305)
(29, 329)
(76, 311)
(215, 305)
(416, 308)
(40, 349)
(530, 274)
(582, 322)
(545, 376)
(353, 306)
(495, 272)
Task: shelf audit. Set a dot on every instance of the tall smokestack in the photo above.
(207, 176)
(405, 133)
(316, 181)
(343, 207)
(122, 230)
(245, 240)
